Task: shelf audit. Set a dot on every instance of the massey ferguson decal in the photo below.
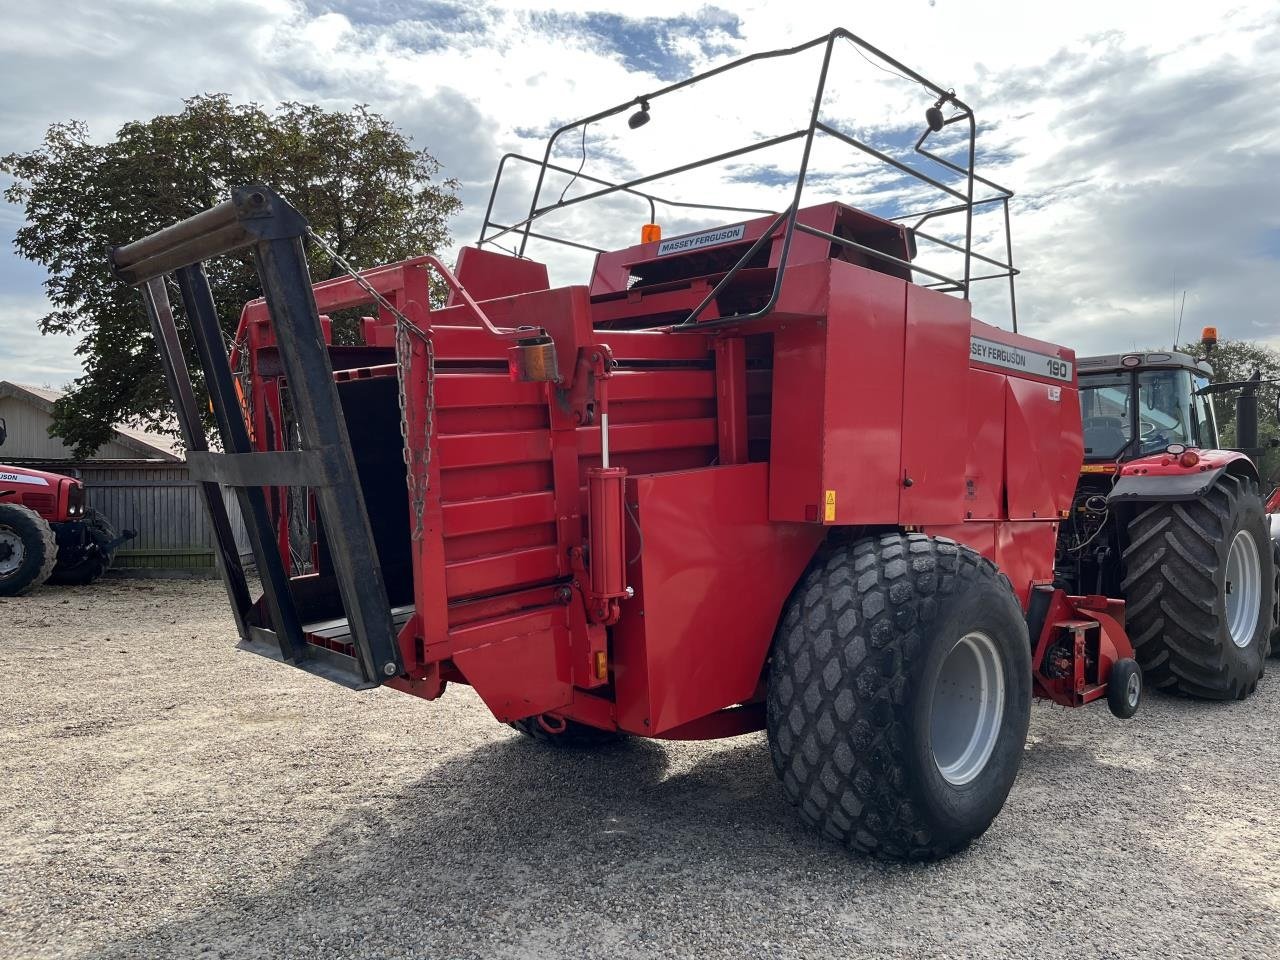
(696, 241)
(1015, 358)
(22, 478)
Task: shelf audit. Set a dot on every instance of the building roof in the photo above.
(146, 444)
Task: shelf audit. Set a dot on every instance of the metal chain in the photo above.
(415, 455)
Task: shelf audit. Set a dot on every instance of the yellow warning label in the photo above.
(829, 507)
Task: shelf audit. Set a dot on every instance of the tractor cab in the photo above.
(1137, 404)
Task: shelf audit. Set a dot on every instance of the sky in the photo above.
(1142, 141)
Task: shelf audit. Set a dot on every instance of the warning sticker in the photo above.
(696, 241)
(829, 506)
(1015, 358)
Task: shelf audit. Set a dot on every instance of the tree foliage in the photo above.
(1237, 360)
(353, 175)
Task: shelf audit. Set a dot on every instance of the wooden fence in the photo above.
(162, 503)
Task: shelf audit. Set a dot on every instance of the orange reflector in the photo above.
(650, 233)
(602, 665)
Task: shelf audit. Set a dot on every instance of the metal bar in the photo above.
(671, 172)
(172, 362)
(1008, 252)
(279, 468)
(286, 280)
(205, 222)
(871, 251)
(924, 215)
(652, 198)
(885, 158)
(766, 237)
(691, 320)
(671, 88)
(188, 252)
(504, 230)
(197, 299)
(959, 249)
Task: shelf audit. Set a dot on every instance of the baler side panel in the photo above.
(1043, 448)
(712, 575)
(935, 401)
(984, 475)
(863, 379)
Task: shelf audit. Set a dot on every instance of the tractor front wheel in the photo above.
(899, 695)
(1198, 591)
(28, 550)
(92, 561)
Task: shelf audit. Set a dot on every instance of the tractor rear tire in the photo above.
(1189, 635)
(577, 736)
(1275, 601)
(28, 549)
(899, 695)
(94, 563)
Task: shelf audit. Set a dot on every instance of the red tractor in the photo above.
(46, 531)
(1171, 523)
(707, 493)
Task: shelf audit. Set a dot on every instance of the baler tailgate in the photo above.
(256, 218)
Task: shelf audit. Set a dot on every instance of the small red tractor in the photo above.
(769, 474)
(46, 531)
(1173, 525)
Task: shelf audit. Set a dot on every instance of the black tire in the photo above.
(575, 735)
(1175, 591)
(28, 550)
(1124, 688)
(855, 666)
(1275, 600)
(92, 562)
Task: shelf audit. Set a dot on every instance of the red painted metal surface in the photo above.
(732, 453)
(1168, 465)
(711, 573)
(48, 494)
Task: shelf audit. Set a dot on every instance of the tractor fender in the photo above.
(1162, 478)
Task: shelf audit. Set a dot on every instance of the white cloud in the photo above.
(1141, 144)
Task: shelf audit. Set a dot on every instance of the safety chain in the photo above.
(415, 455)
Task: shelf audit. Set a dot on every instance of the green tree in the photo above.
(356, 178)
(1237, 360)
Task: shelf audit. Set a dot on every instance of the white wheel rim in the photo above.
(1242, 591)
(12, 552)
(968, 704)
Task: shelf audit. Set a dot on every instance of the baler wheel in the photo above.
(28, 549)
(899, 695)
(1199, 593)
(575, 735)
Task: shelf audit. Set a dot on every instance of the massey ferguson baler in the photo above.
(770, 474)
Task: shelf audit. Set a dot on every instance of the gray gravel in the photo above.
(162, 794)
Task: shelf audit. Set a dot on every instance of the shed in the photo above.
(28, 412)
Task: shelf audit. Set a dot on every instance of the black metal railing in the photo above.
(963, 194)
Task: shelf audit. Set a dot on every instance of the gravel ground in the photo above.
(162, 794)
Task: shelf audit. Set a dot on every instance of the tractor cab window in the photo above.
(1165, 411)
(1155, 405)
(1206, 422)
(1104, 406)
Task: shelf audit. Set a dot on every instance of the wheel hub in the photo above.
(968, 705)
(1242, 588)
(12, 552)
